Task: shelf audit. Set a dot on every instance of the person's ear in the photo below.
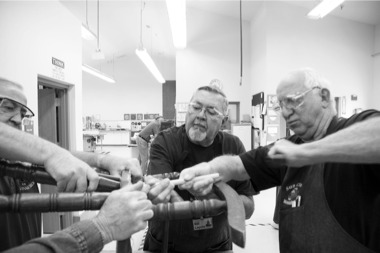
(325, 94)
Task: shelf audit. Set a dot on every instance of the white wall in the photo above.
(376, 70)
(214, 53)
(135, 90)
(339, 49)
(31, 34)
(259, 61)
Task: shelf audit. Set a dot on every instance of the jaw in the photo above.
(197, 134)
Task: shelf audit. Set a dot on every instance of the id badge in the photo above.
(202, 224)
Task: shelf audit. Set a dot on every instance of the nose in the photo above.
(16, 119)
(286, 112)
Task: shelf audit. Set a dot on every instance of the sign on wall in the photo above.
(58, 68)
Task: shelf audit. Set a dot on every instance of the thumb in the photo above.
(134, 187)
(125, 178)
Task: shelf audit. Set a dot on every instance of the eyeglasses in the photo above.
(11, 108)
(210, 110)
(293, 101)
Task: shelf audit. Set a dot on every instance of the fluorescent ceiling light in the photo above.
(97, 73)
(149, 63)
(177, 18)
(323, 8)
(87, 34)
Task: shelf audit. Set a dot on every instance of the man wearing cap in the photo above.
(72, 174)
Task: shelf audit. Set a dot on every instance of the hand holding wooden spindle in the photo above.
(124, 213)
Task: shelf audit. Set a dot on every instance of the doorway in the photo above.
(233, 115)
(53, 126)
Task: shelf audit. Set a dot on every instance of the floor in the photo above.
(260, 235)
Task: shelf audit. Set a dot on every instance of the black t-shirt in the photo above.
(352, 190)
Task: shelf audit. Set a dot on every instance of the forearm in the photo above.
(20, 146)
(229, 168)
(92, 159)
(357, 143)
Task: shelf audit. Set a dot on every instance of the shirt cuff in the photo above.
(87, 235)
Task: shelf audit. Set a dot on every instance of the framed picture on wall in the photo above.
(127, 117)
(272, 101)
(133, 116)
(139, 116)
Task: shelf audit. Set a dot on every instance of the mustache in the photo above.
(199, 125)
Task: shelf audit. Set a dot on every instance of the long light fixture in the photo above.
(177, 19)
(97, 73)
(142, 53)
(323, 8)
(149, 63)
(87, 34)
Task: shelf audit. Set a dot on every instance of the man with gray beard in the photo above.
(198, 140)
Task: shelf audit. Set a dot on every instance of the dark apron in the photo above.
(306, 221)
(182, 237)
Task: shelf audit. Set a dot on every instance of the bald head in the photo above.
(306, 103)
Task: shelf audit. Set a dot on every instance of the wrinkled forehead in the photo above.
(291, 84)
(208, 98)
(12, 91)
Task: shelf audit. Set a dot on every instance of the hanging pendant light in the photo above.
(87, 34)
(98, 55)
(144, 56)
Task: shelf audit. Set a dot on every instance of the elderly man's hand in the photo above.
(197, 187)
(124, 213)
(290, 154)
(160, 190)
(71, 174)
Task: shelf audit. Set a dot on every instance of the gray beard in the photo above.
(196, 135)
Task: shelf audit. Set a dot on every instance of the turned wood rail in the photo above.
(65, 202)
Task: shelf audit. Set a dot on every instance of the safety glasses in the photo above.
(293, 101)
(11, 108)
(209, 110)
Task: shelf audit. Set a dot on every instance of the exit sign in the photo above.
(57, 62)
